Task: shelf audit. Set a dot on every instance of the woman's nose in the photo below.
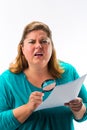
(38, 45)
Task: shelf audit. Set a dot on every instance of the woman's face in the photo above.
(37, 48)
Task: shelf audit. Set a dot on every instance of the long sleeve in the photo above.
(7, 119)
(15, 90)
(70, 75)
(83, 95)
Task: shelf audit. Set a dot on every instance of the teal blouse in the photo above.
(15, 90)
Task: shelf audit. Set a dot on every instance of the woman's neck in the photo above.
(37, 76)
(43, 72)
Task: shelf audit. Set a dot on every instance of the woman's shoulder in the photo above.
(69, 69)
(65, 65)
(7, 74)
(4, 73)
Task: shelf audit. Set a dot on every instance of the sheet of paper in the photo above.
(63, 93)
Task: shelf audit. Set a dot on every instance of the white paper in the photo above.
(63, 93)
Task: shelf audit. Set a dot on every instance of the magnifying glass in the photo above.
(48, 85)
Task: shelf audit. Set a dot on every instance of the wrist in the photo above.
(78, 115)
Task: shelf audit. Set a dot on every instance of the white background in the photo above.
(67, 20)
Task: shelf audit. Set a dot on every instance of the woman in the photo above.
(21, 85)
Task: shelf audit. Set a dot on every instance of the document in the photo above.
(63, 93)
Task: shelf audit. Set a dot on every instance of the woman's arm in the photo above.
(77, 107)
(23, 112)
(12, 119)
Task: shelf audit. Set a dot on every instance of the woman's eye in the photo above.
(43, 41)
(31, 42)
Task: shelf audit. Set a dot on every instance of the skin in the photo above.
(37, 49)
(77, 107)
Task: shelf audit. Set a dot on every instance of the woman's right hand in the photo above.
(23, 112)
(35, 100)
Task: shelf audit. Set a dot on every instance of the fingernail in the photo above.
(42, 94)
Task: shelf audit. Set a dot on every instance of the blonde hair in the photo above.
(21, 63)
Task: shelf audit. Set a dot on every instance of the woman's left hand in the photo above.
(75, 105)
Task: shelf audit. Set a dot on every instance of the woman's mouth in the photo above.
(38, 54)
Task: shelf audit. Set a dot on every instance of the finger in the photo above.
(66, 104)
(76, 107)
(75, 101)
(36, 97)
(37, 93)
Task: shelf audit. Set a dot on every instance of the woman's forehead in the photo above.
(36, 33)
